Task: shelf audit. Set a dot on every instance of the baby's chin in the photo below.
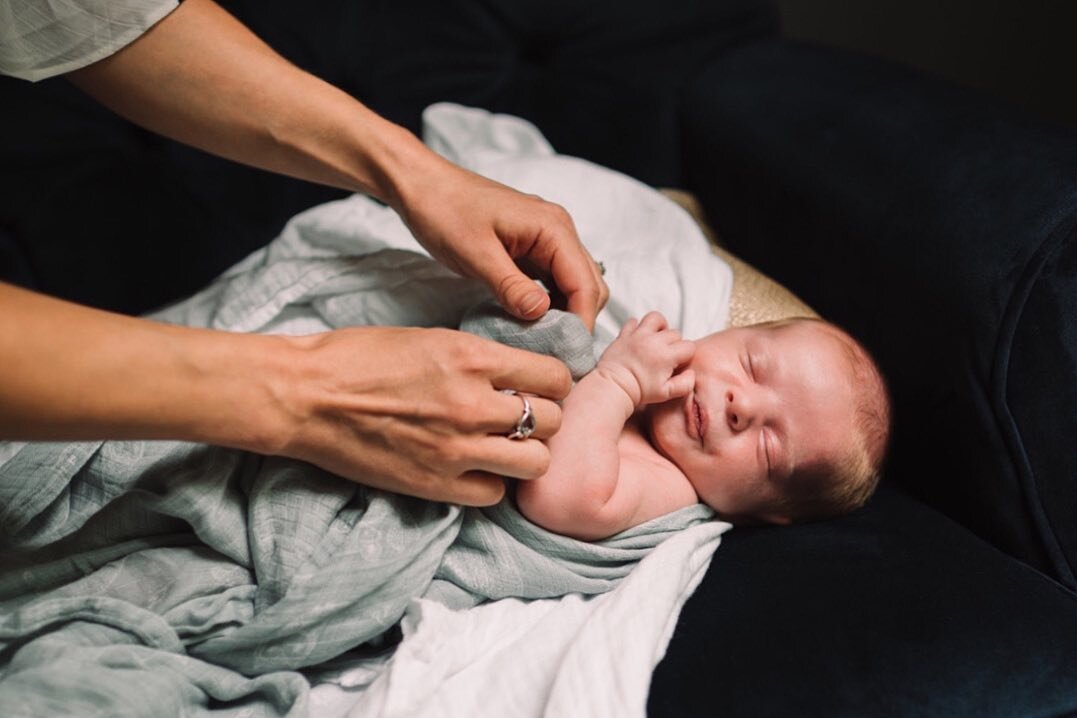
(659, 420)
(649, 422)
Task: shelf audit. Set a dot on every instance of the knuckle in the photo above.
(465, 408)
(467, 353)
(453, 452)
(558, 213)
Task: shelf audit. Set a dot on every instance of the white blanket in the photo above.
(572, 656)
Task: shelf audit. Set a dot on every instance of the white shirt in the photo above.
(42, 38)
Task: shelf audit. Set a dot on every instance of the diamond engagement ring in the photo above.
(526, 425)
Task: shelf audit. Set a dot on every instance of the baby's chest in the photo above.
(634, 447)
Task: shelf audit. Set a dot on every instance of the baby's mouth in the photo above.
(698, 420)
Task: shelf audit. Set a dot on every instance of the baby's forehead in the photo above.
(795, 329)
(813, 330)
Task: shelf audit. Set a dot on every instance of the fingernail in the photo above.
(529, 304)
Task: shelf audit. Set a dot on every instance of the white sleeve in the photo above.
(42, 38)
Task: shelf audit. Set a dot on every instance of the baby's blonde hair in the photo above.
(832, 488)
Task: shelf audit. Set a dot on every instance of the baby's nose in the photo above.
(738, 410)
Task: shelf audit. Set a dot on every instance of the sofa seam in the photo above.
(1061, 234)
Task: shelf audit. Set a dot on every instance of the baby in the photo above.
(778, 422)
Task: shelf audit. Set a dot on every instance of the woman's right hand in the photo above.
(417, 411)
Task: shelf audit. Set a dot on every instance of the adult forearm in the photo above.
(72, 372)
(411, 410)
(201, 77)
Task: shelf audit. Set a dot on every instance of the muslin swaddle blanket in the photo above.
(160, 578)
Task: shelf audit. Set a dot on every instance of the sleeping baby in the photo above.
(772, 423)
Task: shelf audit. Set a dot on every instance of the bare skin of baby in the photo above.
(662, 423)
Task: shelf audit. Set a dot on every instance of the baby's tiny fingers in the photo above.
(671, 335)
(629, 327)
(653, 321)
(683, 351)
(681, 384)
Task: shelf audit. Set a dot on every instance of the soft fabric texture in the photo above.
(39, 38)
(890, 202)
(892, 611)
(574, 657)
(941, 229)
(215, 575)
(557, 333)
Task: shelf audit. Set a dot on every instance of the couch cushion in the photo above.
(937, 226)
(113, 216)
(602, 79)
(895, 610)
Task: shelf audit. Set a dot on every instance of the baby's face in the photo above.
(766, 400)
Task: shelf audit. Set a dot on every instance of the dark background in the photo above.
(1024, 52)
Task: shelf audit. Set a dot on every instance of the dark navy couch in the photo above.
(937, 225)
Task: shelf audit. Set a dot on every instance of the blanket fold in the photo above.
(158, 578)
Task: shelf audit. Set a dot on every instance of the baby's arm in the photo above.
(589, 492)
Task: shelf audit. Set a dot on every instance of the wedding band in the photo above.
(601, 268)
(526, 425)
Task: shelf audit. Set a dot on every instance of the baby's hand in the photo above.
(644, 358)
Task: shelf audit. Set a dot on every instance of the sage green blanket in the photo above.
(158, 578)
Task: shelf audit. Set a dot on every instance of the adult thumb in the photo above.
(519, 294)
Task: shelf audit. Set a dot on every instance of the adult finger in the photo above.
(556, 252)
(545, 413)
(514, 290)
(580, 280)
(515, 458)
(528, 372)
(475, 488)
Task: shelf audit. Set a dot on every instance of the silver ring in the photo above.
(601, 268)
(526, 425)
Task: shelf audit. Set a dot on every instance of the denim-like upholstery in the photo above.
(892, 611)
(933, 224)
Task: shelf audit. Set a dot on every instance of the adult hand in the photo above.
(420, 411)
(173, 78)
(417, 411)
(480, 228)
